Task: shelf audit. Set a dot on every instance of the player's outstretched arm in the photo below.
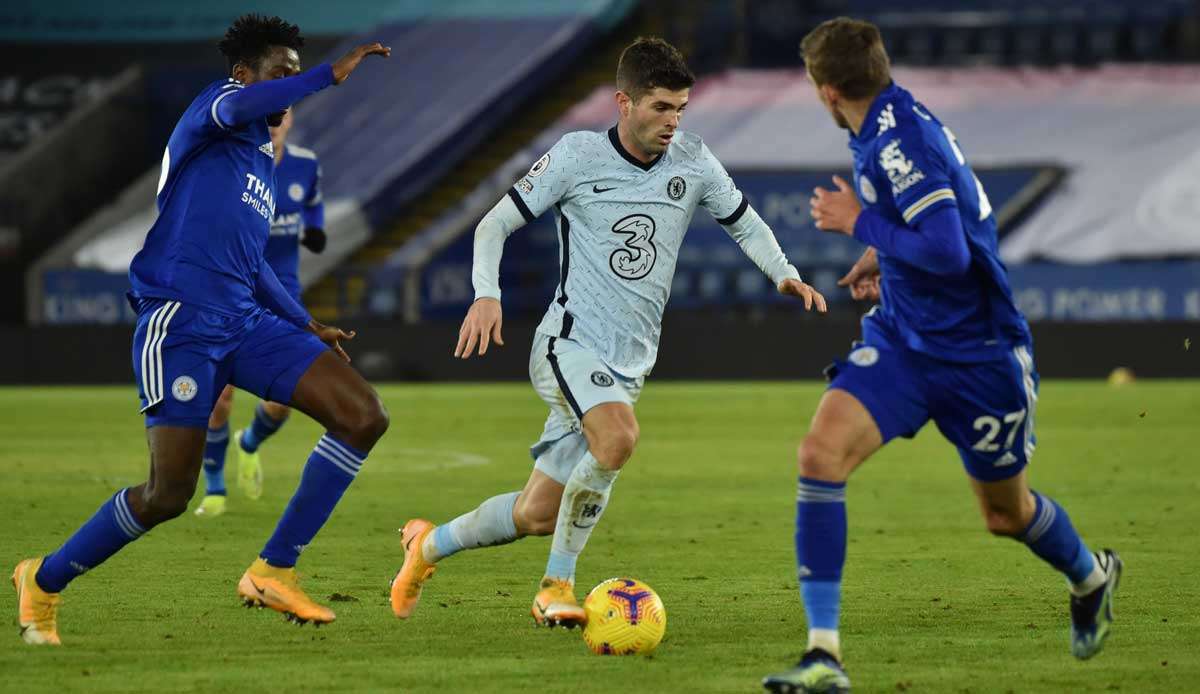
(759, 244)
(485, 318)
(349, 62)
(261, 99)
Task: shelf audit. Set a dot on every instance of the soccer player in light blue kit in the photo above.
(299, 221)
(212, 312)
(623, 200)
(946, 343)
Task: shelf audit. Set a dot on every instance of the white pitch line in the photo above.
(435, 459)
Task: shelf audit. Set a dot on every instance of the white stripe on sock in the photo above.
(343, 449)
(333, 455)
(333, 460)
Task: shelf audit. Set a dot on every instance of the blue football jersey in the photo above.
(216, 199)
(298, 207)
(906, 165)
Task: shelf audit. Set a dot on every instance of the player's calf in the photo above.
(535, 514)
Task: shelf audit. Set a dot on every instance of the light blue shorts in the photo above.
(571, 379)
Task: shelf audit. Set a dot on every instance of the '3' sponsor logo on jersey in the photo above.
(635, 259)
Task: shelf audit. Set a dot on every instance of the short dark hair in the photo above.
(251, 36)
(650, 62)
(847, 54)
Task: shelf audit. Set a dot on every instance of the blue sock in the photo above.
(216, 443)
(329, 471)
(102, 536)
(260, 429)
(821, 549)
(1052, 537)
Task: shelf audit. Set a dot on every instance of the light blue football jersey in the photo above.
(621, 223)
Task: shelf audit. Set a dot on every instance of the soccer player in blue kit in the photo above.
(211, 312)
(946, 343)
(299, 221)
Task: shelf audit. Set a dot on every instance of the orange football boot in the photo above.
(555, 605)
(264, 585)
(406, 586)
(37, 610)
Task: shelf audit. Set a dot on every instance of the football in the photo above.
(624, 617)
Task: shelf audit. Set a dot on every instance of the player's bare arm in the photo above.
(349, 62)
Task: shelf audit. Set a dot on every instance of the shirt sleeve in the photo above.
(271, 295)
(548, 181)
(917, 173)
(493, 230)
(314, 203)
(720, 196)
(261, 99)
(760, 246)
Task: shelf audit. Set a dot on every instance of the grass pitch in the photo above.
(704, 513)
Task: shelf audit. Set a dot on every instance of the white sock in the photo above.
(489, 525)
(826, 639)
(1093, 581)
(583, 501)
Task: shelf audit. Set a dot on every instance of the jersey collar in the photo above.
(616, 143)
(869, 128)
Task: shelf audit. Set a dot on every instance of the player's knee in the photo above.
(368, 422)
(615, 447)
(1004, 522)
(534, 516)
(162, 502)
(821, 461)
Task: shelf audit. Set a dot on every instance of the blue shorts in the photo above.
(184, 356)
(986, 410)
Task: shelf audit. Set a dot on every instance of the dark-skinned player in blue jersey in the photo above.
(211, 312)
(299, 221)
(946, 343)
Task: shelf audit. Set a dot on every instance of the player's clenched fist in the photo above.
(347, 63)
(480, 327)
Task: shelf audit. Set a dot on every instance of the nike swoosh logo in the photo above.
(582, 527)
(260, 590)
(598, 189)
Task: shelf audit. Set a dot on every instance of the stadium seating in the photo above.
(385, 137)
(779, 143)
